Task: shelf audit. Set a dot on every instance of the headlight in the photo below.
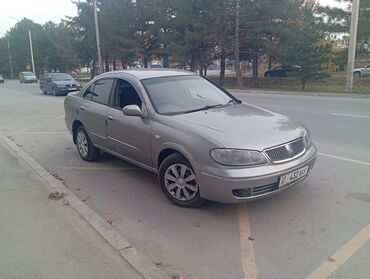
(237, 157)
(307, 140)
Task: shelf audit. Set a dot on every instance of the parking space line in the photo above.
(246, 244)
(59, 117)
(350, 115)
(25, 129)
(100, 168)
(342, 255)
(39, 133)
(344, 159)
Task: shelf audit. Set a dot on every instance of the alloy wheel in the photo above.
(181, 182)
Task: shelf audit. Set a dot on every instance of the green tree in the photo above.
(301, 42)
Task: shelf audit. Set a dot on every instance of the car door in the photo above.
(47, 85)
(128, 136)
(93, 110)
(367, 70)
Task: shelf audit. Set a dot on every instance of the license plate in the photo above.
(293, 176)
(72, 88)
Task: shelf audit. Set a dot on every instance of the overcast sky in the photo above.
(41, 11)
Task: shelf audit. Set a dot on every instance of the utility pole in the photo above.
(352, 44)
(10, 62)
(33, 62)
(97, 38)
(238, 71)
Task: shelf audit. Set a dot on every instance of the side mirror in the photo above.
(132, 110)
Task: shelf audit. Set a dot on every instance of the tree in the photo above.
(301, 42)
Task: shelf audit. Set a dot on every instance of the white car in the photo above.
(362, 72)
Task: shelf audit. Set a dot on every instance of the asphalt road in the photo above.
(323, 221)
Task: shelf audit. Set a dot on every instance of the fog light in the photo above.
(242, 193)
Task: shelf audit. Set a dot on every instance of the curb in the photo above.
(295, 93)
(142, 264)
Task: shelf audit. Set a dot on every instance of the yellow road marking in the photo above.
(246, 245)
(100, 168)
(342, 255)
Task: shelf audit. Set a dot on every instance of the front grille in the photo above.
(286, 151)
(255, 191)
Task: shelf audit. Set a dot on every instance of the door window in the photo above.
(99, 91)
(126, 95)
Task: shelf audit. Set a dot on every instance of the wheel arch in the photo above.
(76, 124)
(169, 149)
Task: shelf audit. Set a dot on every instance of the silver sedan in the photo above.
(203, 143)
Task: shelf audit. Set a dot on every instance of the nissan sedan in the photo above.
(203, 143)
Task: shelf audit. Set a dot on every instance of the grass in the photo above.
(333, 84)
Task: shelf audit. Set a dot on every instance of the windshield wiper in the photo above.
(205, 108)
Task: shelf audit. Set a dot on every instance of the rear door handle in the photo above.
(82, 108)
(110, 118)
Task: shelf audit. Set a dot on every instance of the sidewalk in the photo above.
(43, 238)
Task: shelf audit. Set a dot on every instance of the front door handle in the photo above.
(82, 108)
(110, 118)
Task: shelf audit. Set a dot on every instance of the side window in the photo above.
(126, 95)
(99, 91)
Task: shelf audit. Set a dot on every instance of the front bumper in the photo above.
(66, 90)
(30, 81)
(239, 185)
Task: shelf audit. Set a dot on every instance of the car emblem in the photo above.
(290, 150)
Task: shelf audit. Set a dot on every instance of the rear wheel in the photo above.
(179, 182)
(357, 74)
(85, 148)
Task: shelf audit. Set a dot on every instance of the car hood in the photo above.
(66, 82)
(242, 126)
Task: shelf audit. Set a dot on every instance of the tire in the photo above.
(85, 148)
(173, 174)
(54, 92)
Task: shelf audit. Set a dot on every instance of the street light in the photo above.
(97, 38)
(352, 44)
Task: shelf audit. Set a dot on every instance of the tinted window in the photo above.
(126, 95)
(99, 91)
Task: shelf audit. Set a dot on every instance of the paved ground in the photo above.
(43, 238)
(293, 233)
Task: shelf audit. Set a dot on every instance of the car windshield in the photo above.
(185, 94)
(28, 74)
(61, 76)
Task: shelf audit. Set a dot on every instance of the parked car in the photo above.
(1, 78)
(362, 72)
(27, 77)
(42, 80)
(203, 143)
(59, 84)
(283, 71)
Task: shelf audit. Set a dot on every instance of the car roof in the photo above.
(147, 73)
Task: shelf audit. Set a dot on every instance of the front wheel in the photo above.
(85, 148)
(54, 92)
(179, 182)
